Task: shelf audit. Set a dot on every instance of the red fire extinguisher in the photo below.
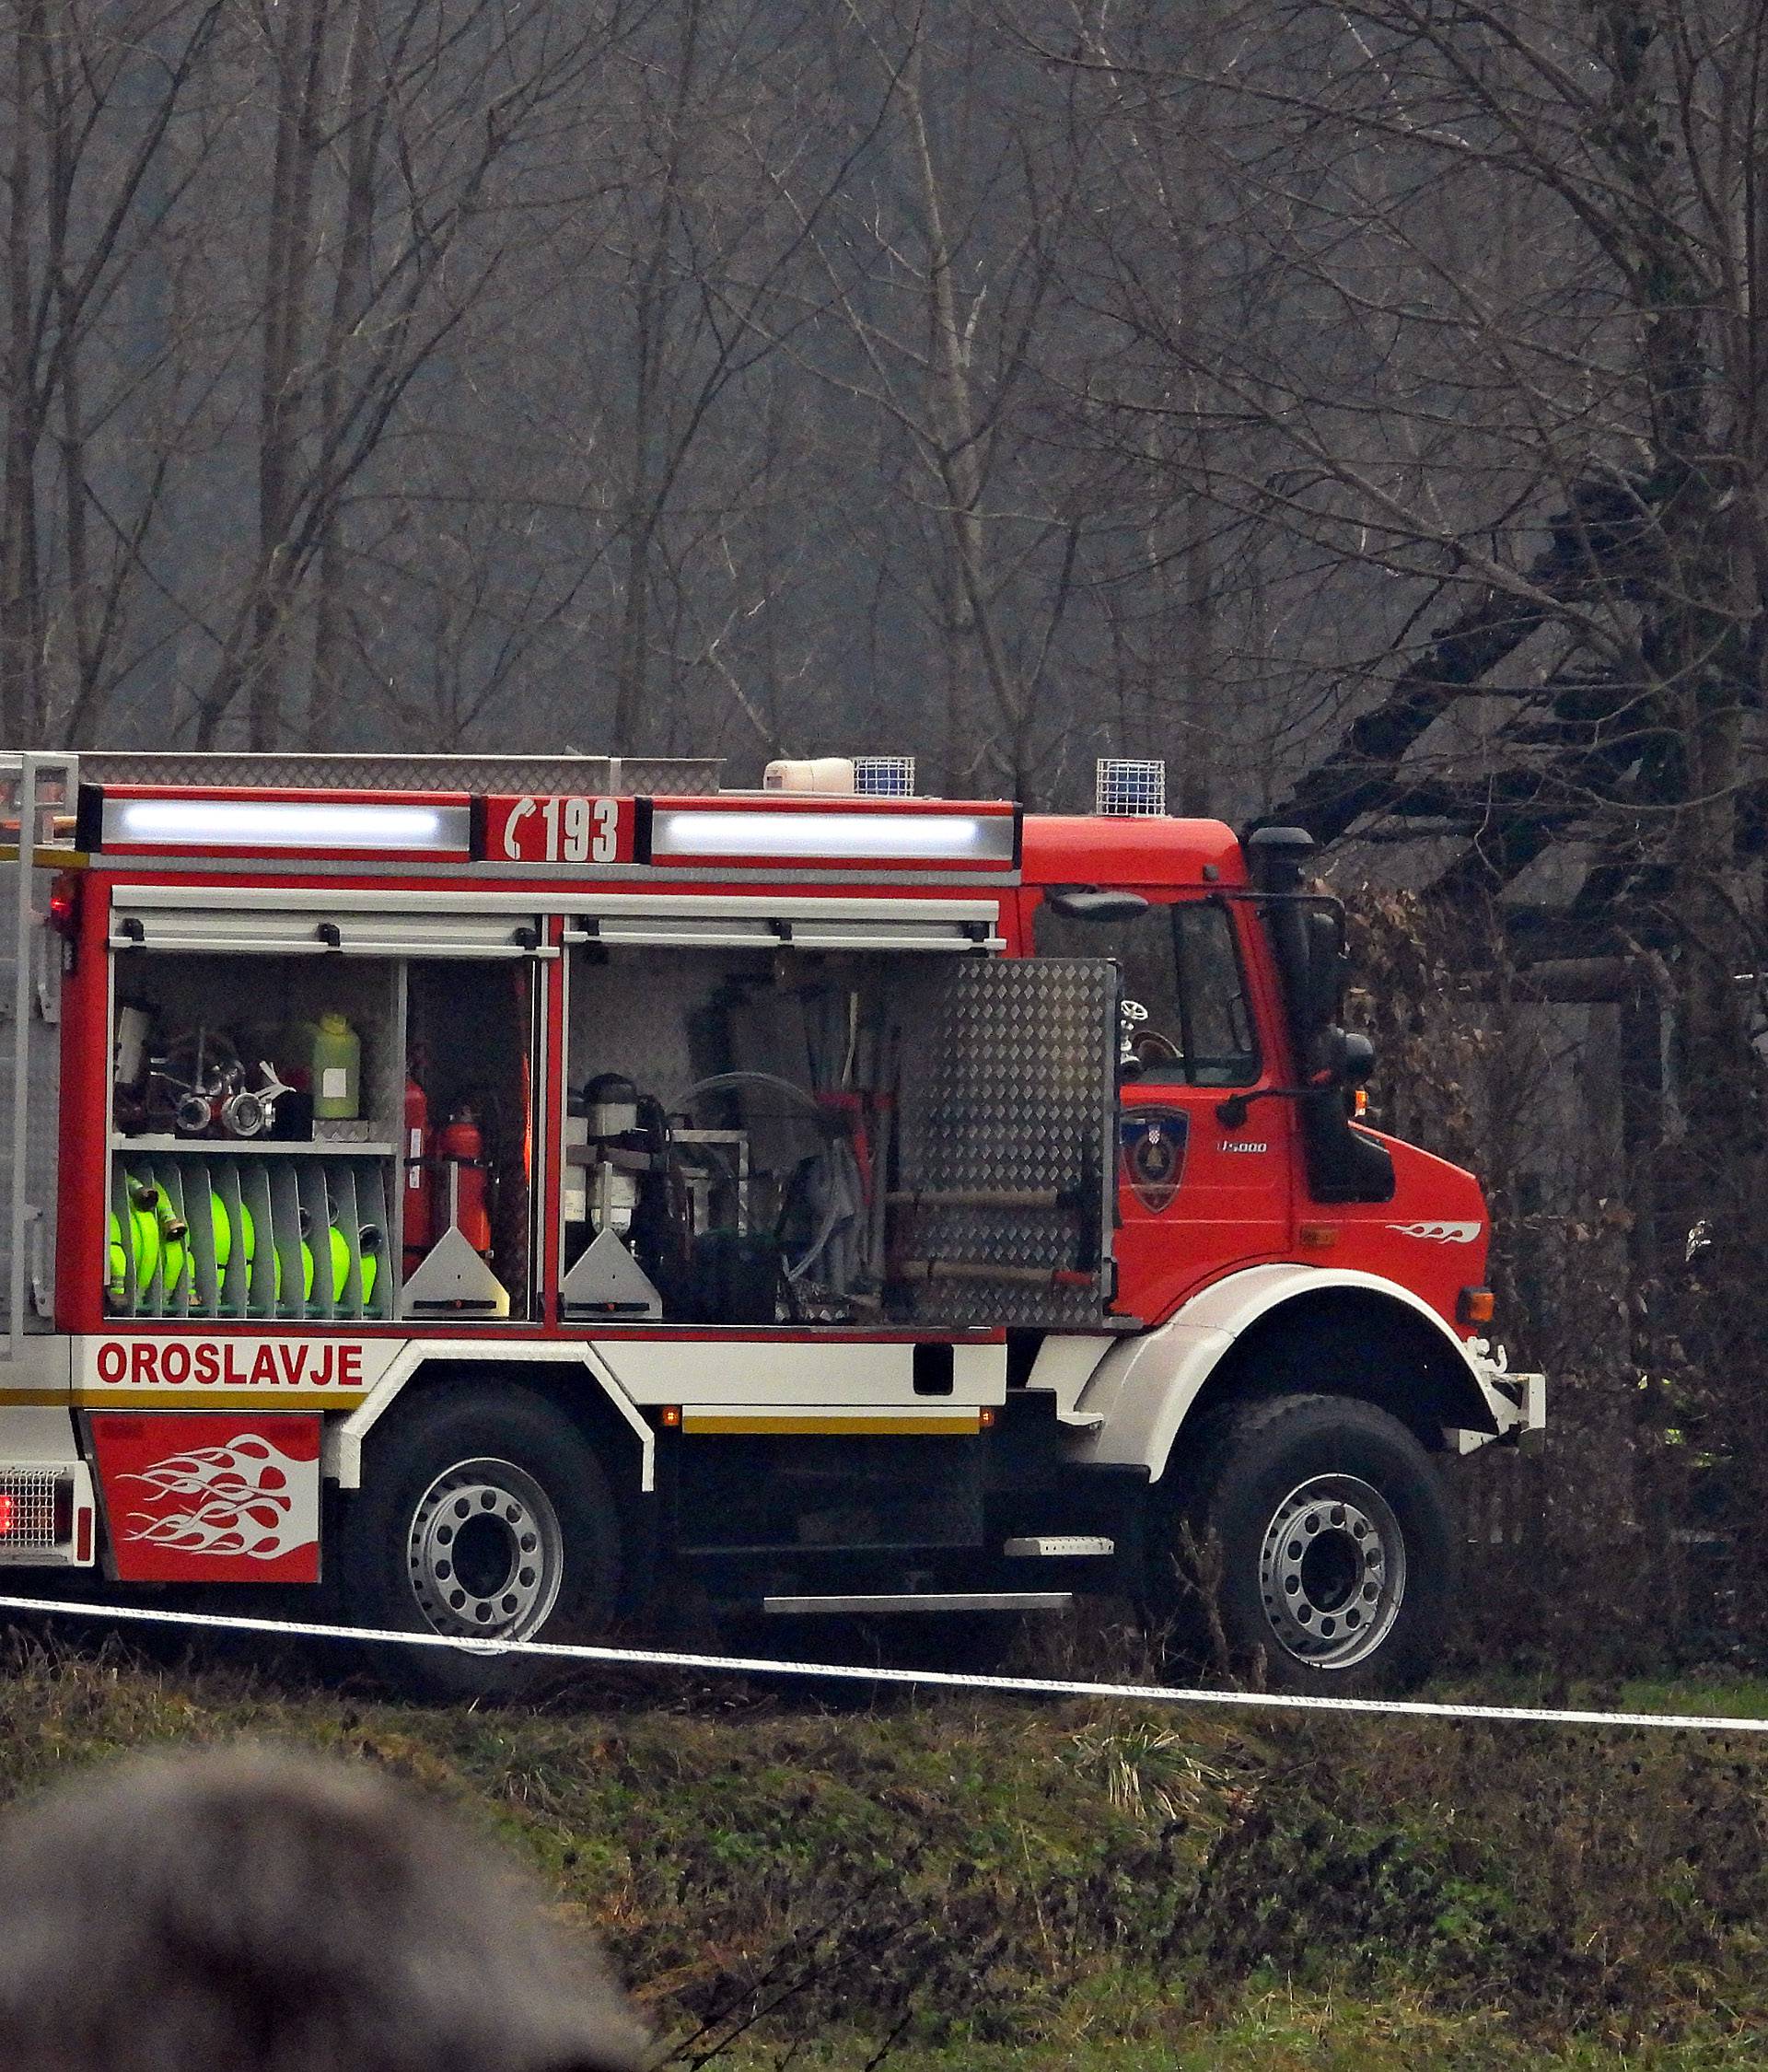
(420, 1177)
(462, 1148)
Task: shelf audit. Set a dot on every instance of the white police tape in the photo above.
(943, 1679)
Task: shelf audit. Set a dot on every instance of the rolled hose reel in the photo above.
(156, 1241)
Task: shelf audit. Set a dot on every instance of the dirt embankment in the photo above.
(1025, 1885)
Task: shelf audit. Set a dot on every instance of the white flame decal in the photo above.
(243, 1498)
(1442, 1233)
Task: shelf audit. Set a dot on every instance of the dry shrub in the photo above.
(1611, 1891)
(1563, 1565)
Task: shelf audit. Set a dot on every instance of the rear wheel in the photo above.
(1311, 1539)
(484, 1515)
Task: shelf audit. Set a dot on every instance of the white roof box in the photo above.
(821, 773)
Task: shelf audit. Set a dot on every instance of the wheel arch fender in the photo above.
(570, 1376)
(1243, 1331)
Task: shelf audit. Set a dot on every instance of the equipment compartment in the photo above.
(721, 1105)
(787, 1135)
(228, 1198)
(468, 1147)
(221, 1208)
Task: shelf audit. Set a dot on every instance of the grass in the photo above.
(1011, 1887)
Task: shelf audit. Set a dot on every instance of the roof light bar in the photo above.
(696, 834)
(286, 823)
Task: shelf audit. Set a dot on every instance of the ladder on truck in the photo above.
(37, 798)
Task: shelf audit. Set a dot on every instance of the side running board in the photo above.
(891, 1603)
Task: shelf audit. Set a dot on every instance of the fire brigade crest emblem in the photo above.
(1154, 1142)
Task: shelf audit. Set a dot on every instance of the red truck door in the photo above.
(1196, 1197)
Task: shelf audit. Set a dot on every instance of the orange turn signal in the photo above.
(1477, 1305)
(671, 1413)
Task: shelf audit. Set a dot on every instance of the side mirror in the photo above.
(1339, 1057)
(1088, 903)
(1358, 1062)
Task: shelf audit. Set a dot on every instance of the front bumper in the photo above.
(1517, 1403)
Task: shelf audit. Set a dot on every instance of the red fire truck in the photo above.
(510, 1192)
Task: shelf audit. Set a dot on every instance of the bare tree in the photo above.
(401, 131)
(93, 97)
(939, 262)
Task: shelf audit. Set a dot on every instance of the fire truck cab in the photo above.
(506, 1197)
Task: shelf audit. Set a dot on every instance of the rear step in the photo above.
(883, 1604)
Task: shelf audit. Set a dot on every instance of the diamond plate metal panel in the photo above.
(1009, 1087)
(691, 776)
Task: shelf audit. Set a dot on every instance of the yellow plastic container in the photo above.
(337, 1069)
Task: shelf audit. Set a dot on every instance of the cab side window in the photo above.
(1180, 964)
(1219, 1047)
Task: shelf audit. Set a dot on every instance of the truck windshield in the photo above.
(1180, 963)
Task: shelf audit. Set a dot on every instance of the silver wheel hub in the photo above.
(1332, 1572)
(484, 1553)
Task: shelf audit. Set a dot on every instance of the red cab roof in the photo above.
(1090, 849)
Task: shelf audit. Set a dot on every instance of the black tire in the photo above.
(541, 1560)
(1311, 1539)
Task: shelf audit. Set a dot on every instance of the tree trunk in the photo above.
(300, 57)
(363, 121)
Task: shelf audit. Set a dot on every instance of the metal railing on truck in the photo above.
(37, 798)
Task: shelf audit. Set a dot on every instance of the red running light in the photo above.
(9, 1511)
(64, 905)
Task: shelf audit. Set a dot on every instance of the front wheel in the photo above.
(484, 1515)
(1312, 1538)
